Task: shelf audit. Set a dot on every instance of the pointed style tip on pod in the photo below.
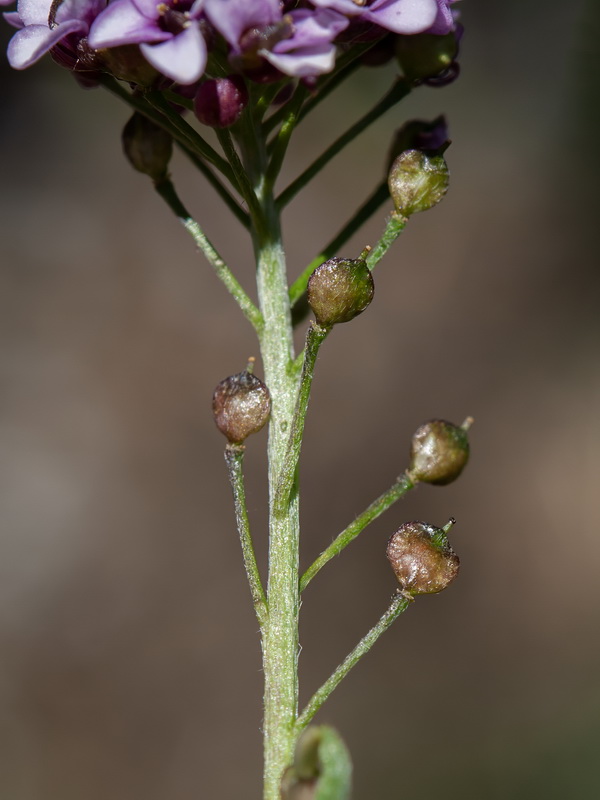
(439, 451)
(339, 290)
(422, 559)
(417, 181)
(241, 405)
(147, 147)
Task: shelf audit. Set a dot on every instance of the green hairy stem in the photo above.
(251, 165)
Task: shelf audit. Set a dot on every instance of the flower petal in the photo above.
(232, 17)
(122, 23)
(444, 22)
(182, 58)
(308, 61)
(30, 43)
(13, 18)
(403, 16)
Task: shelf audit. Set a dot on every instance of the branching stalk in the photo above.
(234, 458)
(399, 90)
(360, 216)
(315, 336)
(397, 606)
(395, 225)
(167, 191)
(397, 490)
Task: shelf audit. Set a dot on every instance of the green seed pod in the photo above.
(417, 181)
(426, 55)
(439, 452)
(241, 406)
(147, 147)
(421, 558)
(339, 290)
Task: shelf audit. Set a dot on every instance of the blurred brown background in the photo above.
(129, 662)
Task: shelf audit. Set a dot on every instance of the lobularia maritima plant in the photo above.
(252, 71)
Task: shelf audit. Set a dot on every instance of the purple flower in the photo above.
(398, 16)
(310, 49)
(42, 28)
(168, 34)
(299, 43)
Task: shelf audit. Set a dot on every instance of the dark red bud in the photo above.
(219, 103)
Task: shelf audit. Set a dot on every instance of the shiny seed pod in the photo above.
(426, 55)
(439, 452)
(422, 559)
(417, 181)
(147, 147)
(241, 405)
(339, 290)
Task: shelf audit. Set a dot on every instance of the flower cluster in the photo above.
(263, 39)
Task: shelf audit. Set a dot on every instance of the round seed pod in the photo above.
(241, 405)
(422, 559)
(426, 55)
(439, 452)
(339, 290)
(147, 147)
(417, 181)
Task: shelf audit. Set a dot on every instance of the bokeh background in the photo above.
(130, 663)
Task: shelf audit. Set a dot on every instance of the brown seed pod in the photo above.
(339, 290)
(439, 451)
(421, 558)
(241, 406)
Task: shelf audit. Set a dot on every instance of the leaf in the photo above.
(322, 767)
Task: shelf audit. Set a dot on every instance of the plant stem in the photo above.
(397, 490)
(315, 336)
(397, 606)
(191, 135)
(399, 90)
(284, 135)
(139, 104)
(234, 458)
(242, 180)
(395, 225)
(360, 216)
(167, 191)
(280, 634)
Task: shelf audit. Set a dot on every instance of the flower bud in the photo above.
(241, 406)
(147, 147)
(439, 452)
(426, 55)
(421, 558)
(339, 290)
(417, 181)
(220, 102)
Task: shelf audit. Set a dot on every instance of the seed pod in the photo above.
(421, 558)
(339, 290)
(439, 452)
(417, 181)
(426, 55)
(147, 147)
(241, 406)
(220, 102)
